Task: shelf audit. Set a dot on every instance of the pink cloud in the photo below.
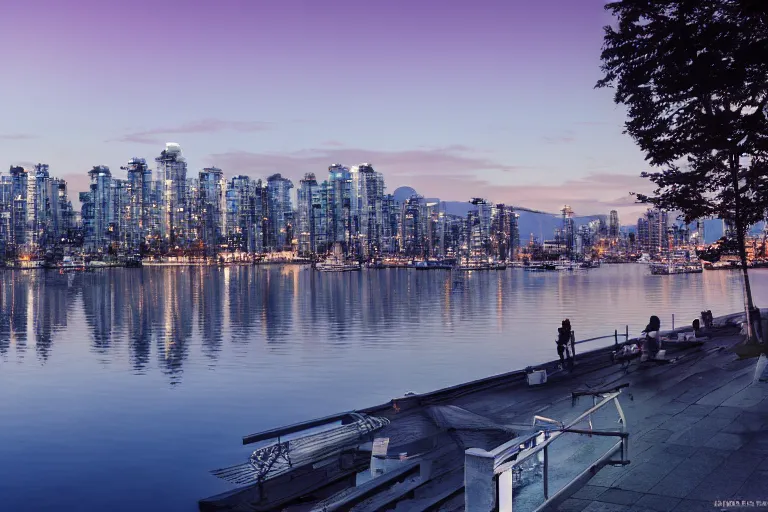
(201, 126)
(450, 160)
(24, 163)
(76, 183)
(333, 143)
(452, 173)
(564, 138)
(16, 136)
(597, 193)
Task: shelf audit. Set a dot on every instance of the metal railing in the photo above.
(616, 335)
(489, 475)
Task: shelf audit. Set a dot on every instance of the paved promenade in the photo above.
(699, 440)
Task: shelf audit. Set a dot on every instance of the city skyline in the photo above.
(491, 101)
(172, 211)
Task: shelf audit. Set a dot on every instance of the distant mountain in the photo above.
(543, 224)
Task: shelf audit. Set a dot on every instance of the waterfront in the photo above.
(123, 387)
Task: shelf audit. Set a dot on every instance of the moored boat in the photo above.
(329, 266)
(672, 268)
(336, 262)
(71, 264)
(541, 267)
(27, 264)
(432, 265)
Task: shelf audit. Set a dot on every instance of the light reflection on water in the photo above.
(121, 388)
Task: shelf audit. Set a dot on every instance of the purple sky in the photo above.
(490, 98)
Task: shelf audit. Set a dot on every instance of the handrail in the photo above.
(348, 416)
(615, 337)
(488, 474)
(299, 427)
(530, 452)
(601, 338)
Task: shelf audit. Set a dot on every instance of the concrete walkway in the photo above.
(698, 438)
(700, 443)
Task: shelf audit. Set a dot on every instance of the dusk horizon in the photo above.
(494, 101)
(422, 255)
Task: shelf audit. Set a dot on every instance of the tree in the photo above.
(693, 75)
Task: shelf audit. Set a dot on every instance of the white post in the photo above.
(761, 369)
(505, 491)
(479, 483)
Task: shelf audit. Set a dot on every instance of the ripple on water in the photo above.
(133, 383)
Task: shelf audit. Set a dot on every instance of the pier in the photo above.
(686, 433)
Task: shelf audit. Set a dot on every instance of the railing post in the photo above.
(479, 482)
(615, 336)
(623, 421)
(626, 335)
(573, 345)
(506, 480)
(673, 321)
(546, 472)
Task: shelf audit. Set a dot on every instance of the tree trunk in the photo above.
(750, 306)
(741, 231)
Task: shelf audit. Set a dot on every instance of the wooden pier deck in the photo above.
(698, 435)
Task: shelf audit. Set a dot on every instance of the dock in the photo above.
(693, 436)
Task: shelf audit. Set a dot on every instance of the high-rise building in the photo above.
(613, 224)
(658, 226)
(63, 217)
(98, 210)
(370, 210)
(505, 237)
(390, 215)
(44, 204)
(142, 219)
(652, 232)
(172, 179)
(643, 235)
(119, 228)
(246, 215)
(305, 214)
(5, 216)
(19, 211)
(414, 234)
(568, 231)
(478, 231)
(340, 206)
(212, 207)
(279, 213)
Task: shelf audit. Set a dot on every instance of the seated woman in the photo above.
(651, 345)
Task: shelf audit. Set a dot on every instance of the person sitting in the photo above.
(651, 345)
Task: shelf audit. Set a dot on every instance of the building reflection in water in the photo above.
(166, 318)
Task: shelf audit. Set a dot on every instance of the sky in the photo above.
(457, 99)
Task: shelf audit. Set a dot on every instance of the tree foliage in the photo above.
(694, 77)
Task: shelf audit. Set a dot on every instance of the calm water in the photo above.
(120, 389)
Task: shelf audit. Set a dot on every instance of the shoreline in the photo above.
(502, 398)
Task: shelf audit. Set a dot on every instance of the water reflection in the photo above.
(175, 315)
